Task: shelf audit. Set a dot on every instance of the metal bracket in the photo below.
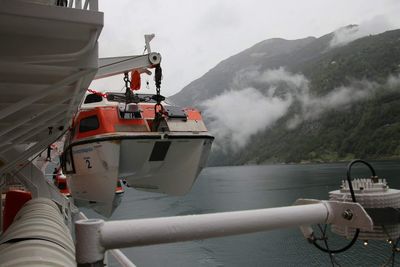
(147, 39)
(348, 214)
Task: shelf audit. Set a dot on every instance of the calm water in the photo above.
(251, 187)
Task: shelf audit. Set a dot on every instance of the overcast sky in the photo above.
(193, 36)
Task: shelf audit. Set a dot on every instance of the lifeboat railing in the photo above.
(92, 5)
(95, 236)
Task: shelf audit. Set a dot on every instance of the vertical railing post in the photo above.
(88, 247)
(86, 5)
(94, 5)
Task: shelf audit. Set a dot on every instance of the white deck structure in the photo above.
(48, 57)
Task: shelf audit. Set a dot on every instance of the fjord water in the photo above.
(221, 189)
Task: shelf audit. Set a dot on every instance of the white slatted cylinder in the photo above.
(38, 236)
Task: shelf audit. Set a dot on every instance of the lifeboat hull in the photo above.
(168, 166)
(159, 163)
(93, 174)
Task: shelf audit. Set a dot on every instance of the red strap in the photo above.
(135, 80)
(97, 93)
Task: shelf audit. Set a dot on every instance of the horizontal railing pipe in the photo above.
(140, 232)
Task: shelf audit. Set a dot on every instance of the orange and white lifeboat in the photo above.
(111, 140)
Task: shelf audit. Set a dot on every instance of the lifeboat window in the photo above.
(129, 115)
(89, 124)
(176, 112)
(93, 98)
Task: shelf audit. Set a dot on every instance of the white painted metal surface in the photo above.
(117, 65)
(48, 57)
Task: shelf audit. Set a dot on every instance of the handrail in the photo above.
(94, 237)
(92, 5)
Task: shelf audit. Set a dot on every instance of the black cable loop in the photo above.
(353, 197)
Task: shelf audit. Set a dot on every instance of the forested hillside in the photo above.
(307, 100)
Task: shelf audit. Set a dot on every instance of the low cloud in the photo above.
(237, 114)
(393, 82)
(312, 107)
(350, 33)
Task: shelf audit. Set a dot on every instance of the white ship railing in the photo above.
(95, 236)
(123, 260)
(92, 5)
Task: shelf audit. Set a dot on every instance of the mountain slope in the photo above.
(273, 51)
(338, 102)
